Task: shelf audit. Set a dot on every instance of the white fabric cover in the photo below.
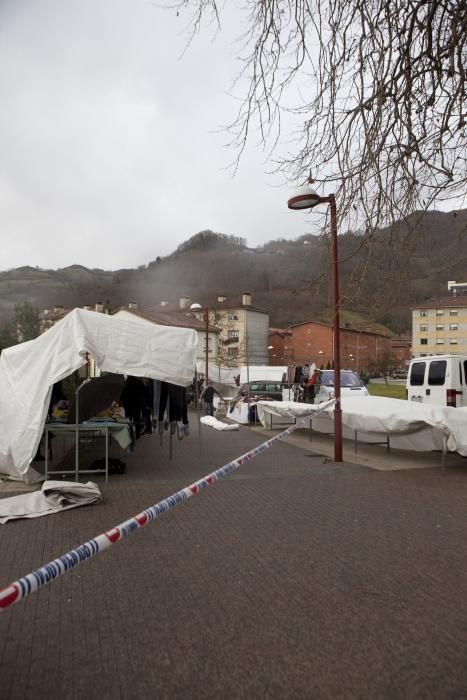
(29, 370)
(218, 424)
(53, 497)
(410, 425)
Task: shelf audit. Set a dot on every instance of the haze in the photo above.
(111, 148)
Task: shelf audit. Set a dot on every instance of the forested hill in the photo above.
(379, 276)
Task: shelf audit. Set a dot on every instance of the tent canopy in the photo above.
(29, 370)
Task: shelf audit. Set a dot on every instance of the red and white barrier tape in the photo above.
(20, 589)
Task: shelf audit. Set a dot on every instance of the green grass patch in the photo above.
(392, 391)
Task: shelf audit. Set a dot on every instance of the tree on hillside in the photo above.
(7, 336)
(208, 240)
(26, 321)
(375, 92)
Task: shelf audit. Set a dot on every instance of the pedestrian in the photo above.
(310, 387)
(207, 395)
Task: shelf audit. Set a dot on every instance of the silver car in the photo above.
(351, 385)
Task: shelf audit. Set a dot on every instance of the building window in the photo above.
(423, 341)
(423, 313)
(232, 317)
(233, 335)
(452, 341)
(232, 352)
(453, 312)
(439, 341)
(440, 312)
(423, 328)
(453, 327)
(439, 327)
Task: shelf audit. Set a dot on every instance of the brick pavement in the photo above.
(292, 578)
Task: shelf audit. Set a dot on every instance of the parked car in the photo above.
(262, 390)
(351, 385)
(399, 374)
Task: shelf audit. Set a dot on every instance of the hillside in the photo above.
(379, 278)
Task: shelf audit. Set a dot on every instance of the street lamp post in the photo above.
(205, 310)
(306, 198)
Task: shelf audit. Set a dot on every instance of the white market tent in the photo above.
(410, 425)
(29, 370)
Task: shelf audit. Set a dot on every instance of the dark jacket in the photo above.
(208, 394)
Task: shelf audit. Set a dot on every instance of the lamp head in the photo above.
(304, 197)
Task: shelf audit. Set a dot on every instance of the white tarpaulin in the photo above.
(218, 424)
(410, 425)
(54, 496)
(29, 370)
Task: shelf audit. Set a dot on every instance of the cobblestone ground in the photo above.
(292, 578)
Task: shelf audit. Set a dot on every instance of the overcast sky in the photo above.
(111, 152)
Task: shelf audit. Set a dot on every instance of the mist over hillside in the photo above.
(379, 278)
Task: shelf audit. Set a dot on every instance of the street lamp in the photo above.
(205, 310)
(306, 198)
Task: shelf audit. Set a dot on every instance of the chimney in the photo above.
(99, 307)
(221, 298)
(246, 299)
(164, 303)
(133, 305)
(184, 303)
(87, 307)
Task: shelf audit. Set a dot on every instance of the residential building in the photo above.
(439, 326)
(280, 346)
(401, 350)
(362, 351)
(243, 331)
(49, 317)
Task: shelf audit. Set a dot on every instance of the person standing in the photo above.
(310, 387)
(207, 395)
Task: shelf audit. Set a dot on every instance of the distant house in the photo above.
(48, 317)
(439, 326)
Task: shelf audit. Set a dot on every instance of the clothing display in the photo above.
(172, 409)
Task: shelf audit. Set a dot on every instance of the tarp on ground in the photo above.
(410, 425)
(29, 370)
(54, 497)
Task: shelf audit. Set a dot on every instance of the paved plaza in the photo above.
(294, 577)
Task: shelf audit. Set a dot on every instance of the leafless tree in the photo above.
(376, 90)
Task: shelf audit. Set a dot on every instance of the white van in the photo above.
(438, 379)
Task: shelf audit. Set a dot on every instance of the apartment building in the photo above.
(243, 330)
(439, 326)
(362, 351)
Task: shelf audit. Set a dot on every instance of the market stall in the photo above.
(29, 370)
(409, 425)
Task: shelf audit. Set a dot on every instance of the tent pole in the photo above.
(198, 413)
